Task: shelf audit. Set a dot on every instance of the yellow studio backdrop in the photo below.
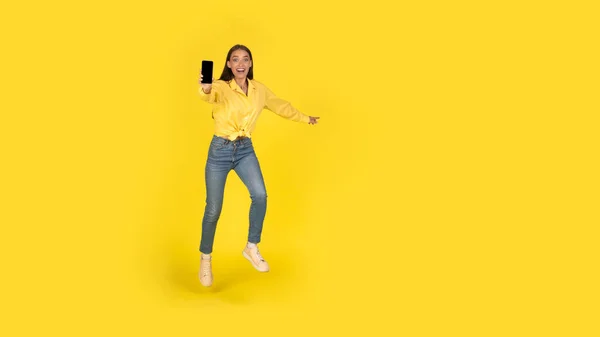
(450, 188)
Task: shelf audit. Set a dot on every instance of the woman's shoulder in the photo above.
(220, 85)
(219, 82)
(258, 84)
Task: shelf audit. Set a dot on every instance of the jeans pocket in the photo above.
(218, 143)
(246, 142)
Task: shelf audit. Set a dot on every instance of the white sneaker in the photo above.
(205, 273)
(253, 255)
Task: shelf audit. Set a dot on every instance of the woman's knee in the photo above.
(260, 195)
(213, 210)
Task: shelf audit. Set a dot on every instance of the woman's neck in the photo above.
(241, 83)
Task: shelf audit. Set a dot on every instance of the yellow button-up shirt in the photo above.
(236, 114)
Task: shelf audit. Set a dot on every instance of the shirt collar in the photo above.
(233, 85)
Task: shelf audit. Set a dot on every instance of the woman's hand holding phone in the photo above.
(206, 87)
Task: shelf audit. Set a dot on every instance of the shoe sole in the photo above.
(252, 262)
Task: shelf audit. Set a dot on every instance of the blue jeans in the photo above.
(223, 156)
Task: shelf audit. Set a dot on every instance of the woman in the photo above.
(237, 101)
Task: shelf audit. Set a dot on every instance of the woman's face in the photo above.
(239, 63)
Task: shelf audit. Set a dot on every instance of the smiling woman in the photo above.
(237, 101)
(238, 66)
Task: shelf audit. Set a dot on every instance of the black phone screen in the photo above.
(207, 71)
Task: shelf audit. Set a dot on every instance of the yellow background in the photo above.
(450, 188)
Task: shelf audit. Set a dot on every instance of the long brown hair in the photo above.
(227, 74)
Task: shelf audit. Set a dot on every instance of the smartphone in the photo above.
(207, 71)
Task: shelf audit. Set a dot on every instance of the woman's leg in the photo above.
(248, 169)
(217, 168)
(215, 187)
